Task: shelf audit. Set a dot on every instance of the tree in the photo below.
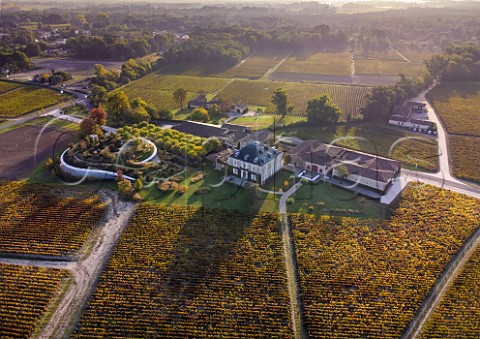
(280, 100)
(321, 110)
(200, 114)
(125, 189)
(99, 93)
(179, 96)
(99, 116)
(32, 49)
(88, 126)
(165, 114)
(117, 106)
(211, 144)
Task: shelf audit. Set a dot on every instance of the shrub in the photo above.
(167, 186)
(182, 189)
(197, 177)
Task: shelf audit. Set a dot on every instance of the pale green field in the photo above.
(334, 63)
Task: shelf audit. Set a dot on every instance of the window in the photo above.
(235, 163)
(254, 177)
(235, 171)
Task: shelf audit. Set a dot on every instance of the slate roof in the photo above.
(255, 153)
(398, 118)
(364, 164)
(200, 129)
(422, 122)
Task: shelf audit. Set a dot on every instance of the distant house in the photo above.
(370, 171)
(200, 101)
(240, 108)
(416, 107)
(402, 116)
(255, 162)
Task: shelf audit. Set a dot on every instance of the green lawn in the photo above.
(262, 121)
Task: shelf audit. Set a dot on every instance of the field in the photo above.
(192, 273)
(412, 149)
(158, 89)
(465, 155)
(458, 105)
(259, 93)
(458, 315)
(7, 86)
(80, 69)
(27, 99)
(368, 278)
(26, 293)
(386, 63)
(36, 220)
(333, 63)
(418, 55)
(20, 154)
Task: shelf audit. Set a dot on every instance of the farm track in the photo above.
(402, 56)
(272, 70)
(291, 266)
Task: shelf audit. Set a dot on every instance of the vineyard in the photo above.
(465, 155)
(25, 294)
(259, 93)
(458, 105)
(158, 89)
(458, 315)
(7, 86)
(388, 67)
(418, 55)
(36, 220)
(192, 273)
(254, 66)
(319, 63)
(27, 99)
(368, 278)
(262, 121)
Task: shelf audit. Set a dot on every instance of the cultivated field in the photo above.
(254, 66)
(80, 69)
(7, 86)
(412, 149)
(465, 155)
(20, 153)
(388, 67)
(27, 99)
(418, 55)
(458, 315)
(368, 278)
(333, 63)
(386, 63)
(259, 93)
(192, 273)
(458, 105)
(36, 219)
(158, 89)
(26, 293)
